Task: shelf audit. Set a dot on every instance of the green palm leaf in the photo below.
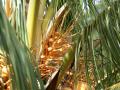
(24, 76)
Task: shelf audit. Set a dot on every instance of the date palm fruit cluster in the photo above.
(54, 50)
(4, 75)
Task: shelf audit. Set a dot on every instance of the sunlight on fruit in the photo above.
(82, 86)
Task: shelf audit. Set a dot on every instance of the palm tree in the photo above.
(94, 38)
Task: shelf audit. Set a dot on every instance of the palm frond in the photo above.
(23, 75)
(96, 24)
